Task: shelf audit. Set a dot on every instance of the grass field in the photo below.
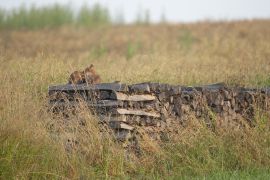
(237, 53)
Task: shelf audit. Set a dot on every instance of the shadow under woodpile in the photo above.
(159, 110)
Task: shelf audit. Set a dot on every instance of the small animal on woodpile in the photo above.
(76, 78)
(88, 76)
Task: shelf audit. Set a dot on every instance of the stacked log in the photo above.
(160, 109)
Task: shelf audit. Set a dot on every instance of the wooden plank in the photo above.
(175, 90)
(86, 87)
(101, 103)
(123, 97)
(110, 103)
(120, 125)
(266, 91)
(135, 112)
(118, 96)
(212, 86)
(153, 86)
(118, 118)
(141, 98)
(140, 88)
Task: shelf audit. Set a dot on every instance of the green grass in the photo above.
(133, 48)
(237, 175)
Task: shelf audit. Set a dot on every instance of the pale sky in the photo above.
(175, 10)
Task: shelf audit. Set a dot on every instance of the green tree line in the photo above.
(53, 16)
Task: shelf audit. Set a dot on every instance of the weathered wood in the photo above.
(140, 88)
(120, 125)
(214, 86)
(123, 97)
(111, 103)
(119, 118)
(135, 112)
(163, 87)
(86, 87)
(266, 91)
(154, 86)
(162, 96)
(104, 95)
(100, 103)
(141, 98)
(137, 104)
(175, 90)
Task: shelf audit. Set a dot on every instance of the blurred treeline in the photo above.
(58, 15)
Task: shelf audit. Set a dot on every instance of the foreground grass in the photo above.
(255, 174)
(186, 54)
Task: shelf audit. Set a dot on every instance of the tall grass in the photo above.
(32, 142)
(53, 16)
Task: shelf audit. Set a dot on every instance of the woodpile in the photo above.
(160, 109)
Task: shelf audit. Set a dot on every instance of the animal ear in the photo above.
(91, 66)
